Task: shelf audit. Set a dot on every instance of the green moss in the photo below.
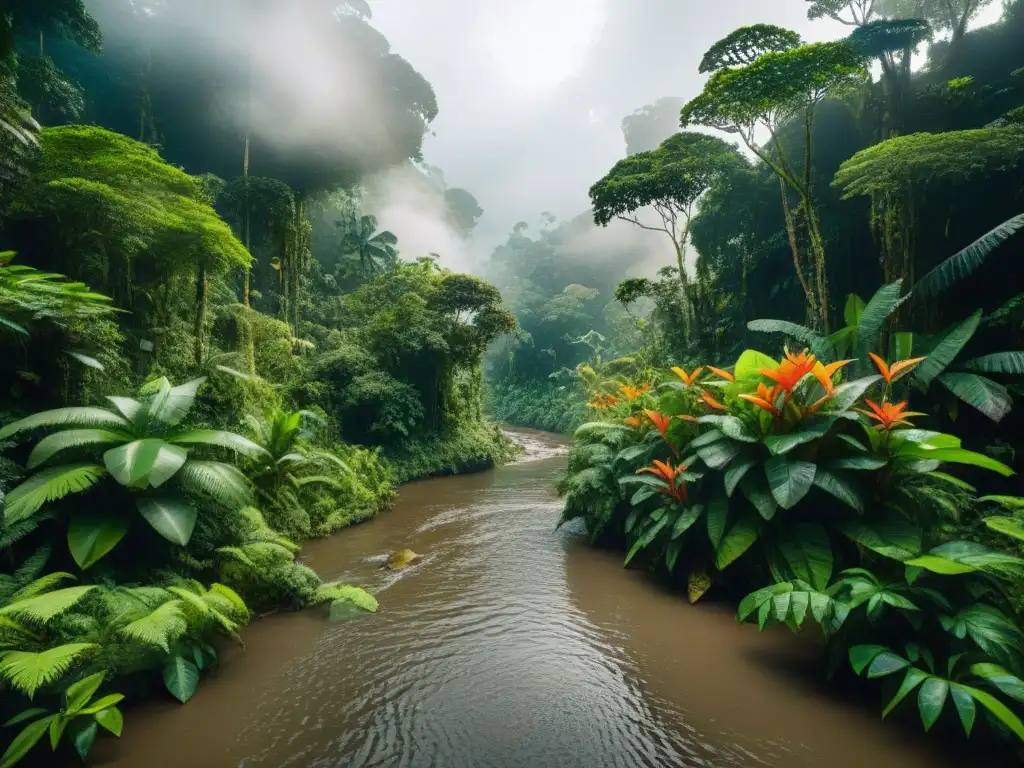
(473, 447)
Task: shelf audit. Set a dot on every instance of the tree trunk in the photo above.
(812, 308)
(202, 295)
(247, 274)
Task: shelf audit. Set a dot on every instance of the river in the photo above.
(510, 645)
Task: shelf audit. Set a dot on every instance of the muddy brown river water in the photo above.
(514, 646)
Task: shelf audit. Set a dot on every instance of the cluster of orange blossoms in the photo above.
(888, 415)
(602, 402)
(665, 471)
(787, 375)
(632, 393)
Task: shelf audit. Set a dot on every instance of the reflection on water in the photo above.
(508, 645)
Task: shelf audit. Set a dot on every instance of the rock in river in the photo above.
(400, 559)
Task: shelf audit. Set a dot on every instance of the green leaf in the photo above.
(893, 539)
(964, 703)
(965, 262)
(862, 655)
(645, 538)
(819, 345)
(998, 709)
(903, 345)
(719, 454)
(965, 556)
(873, 316)
(78, 695)
(642, 495)
(748, 365)
(348, 593)
(734, 474)
(672, 554)
(181, 678)
(41, 609)
(931, 698)
(857, 463)
(853, 310)
(886, 663)
(1011, 363)
(57, 725)
(842, 488)
(231, 441)
(111, 719)
(780, 444)
(649, 481)
(730, 426)
(26, 714)
(1000, 678)
(48, 485)
(709, 437)
(216, 481)
(789, 481)
(83, 737)
(846, 395)
(159, 628)
(852, 442)
(808, 553)
(737, 541)
(943, 353)
(149, 461)
(957, 456)
(89, 362)
(987, 396)
(24, 741)
(27, 672)
(913, 678)
(1007, 526)
(102, 703)
(72, 438)
(171, 406)
(91, 535)
(75, 417)
(173, 517)
(939, 565)
(686, 518)
(718, 513)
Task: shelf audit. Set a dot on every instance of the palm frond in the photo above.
(43, 608)
(966, 262)
(221, 439)
(53, 444)
(76, 417)
(50, 485)
(998, 362)
(41, 585)
(216, 481)
(159, 628)
(28, 672)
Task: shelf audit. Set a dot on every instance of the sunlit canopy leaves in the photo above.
(744, 45)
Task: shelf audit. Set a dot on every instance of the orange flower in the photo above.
(634, 421)
(789, 372)
(890, 374)
(888, 414)
(665, 471)
(692, 419)
(824, 374)
(723, 374)
(764, 399)
(709, 400)
(660, 422)
(601, 401)
(632, 393)
(688, 378)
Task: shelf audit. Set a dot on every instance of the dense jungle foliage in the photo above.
(210, 351)
(865, 224)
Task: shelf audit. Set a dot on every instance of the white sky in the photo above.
(532, 92)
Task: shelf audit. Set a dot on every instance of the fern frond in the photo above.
(160, 628)
(216, 481)
(12, 533)
(75, 417)
(301, 482)
(329, 593)
(32, 566)
(41, 585)
(50, 485)
(239, 555)
(42, 608)
(331, 458)
(239, 609)
(28, 672)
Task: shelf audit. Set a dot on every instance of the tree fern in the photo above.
(75, 417)
(28, 672)
(965, 262)
(43, 608)
(159, 628)
(50, 485)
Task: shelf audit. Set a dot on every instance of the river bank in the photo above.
(509, 645)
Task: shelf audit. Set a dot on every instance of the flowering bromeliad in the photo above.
(632, 393)
(665, 471)
(888, 415)
(764, 399)
(896, 370)
(787, 375)
(602, 402)
(688, 378)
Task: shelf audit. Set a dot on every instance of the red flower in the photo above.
(665, 471)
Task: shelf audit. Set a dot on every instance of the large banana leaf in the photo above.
(989, 397)
(946, 350)
(93, 534)
(965, 262)
(872, 318)
(998, 362)
(76, 417)
(147, 462)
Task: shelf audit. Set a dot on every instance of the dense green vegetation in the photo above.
(804, 487)
(238, 358)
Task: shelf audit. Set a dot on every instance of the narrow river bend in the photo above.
(510, 646)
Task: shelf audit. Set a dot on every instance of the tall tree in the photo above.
(375, 250)
(763, 95)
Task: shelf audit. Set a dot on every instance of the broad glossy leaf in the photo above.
(780, 444)
(92, 534)
(171, 407)
(943, 353)
(709, 437)
(67, 439)
(911, 680)
(857, 463)
(846, 395)
(173, 517)
(964, 703)
(853, 309)
(144, 462)
(994, 632)
(886, 663)
(789, 481)
(645, 538)
(750, 363)
(1007, 526)
(931, 698)
(71, 417)
(718, 513)
(998, 709)
(181, 678)
(819, 345)
(999, 362)
(808, 553)
(841, 487)
(83, 736)
(737, 541)
(79, 694)
(686, 518)
(903, 345)
(730, 426)
(966, 556)
(873, 316)
(27, 738)
(862, 655)
(754, 486)
(965, 262)
(1002, 679)
(957, 456)
(980, 392)
(229, 440)
(642, 495)
(111, 719)
(735, 472)
(720, 453)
